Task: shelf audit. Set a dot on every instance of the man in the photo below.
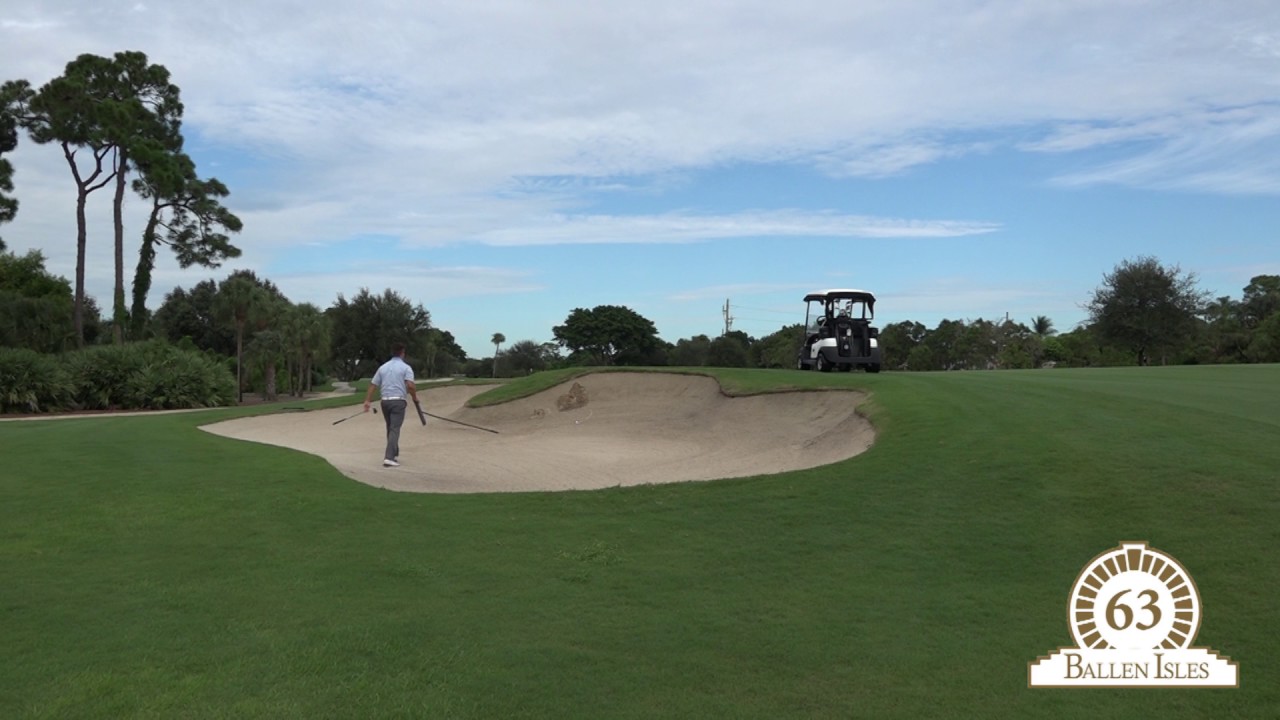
(395, 380)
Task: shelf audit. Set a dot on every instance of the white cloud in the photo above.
(682, 228)
(472, 94)
(500, 123)
(1234, 152)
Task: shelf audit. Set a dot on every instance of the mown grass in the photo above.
(148, 569)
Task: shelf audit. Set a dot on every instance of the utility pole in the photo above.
(728, 319)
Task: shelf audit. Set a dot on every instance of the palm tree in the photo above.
(266, 349)
(308, 337)
(1042, 326)
(498, 339)
(237, 299)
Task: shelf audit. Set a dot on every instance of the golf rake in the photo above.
(422, 413)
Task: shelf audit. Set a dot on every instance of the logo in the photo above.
(1134, 613)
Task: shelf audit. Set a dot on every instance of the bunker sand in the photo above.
(602, 430)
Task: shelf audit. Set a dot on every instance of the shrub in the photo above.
(101, 374)
(31, 382)
(181, 379)
(152, 374)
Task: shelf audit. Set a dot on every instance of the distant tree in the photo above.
(1146, 307)
(977, 346)
(1265, 345)
(35, 305)
(729, 350)
(1052, 350)
(942, 348)
(779, 349)
(608, 335)
(498, 339)
(1019, 347)
(550, 352)
(267, 350)
(238, 297)
(192, 313)
(10, 93)
(307, 335)
(441, 354)
(69, 110)
(477, 367)
(1223, 334)
(1261, 299)
(1042, 326)
(191, 214)
(365, 327)
(898, 340)
(690, 352)
(528, 356)
(143, 122)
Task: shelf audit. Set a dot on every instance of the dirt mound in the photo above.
(605, 430)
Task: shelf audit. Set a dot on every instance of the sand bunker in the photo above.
(612, 429)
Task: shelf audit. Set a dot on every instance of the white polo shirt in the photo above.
(391, 379)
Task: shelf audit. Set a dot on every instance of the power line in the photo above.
(756, 309)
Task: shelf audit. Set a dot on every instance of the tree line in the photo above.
(1142, 313)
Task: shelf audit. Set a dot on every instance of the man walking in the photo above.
(395, 380)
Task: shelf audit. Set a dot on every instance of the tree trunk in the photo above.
(270, 393)
(84, 186)
(81, 238)
(142, 275)
(239, 360)
(120, 313)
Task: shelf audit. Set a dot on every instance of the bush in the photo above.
(101, 374)
(181, 379)
(152, 374)
(31, 382)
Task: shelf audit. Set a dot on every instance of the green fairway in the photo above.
(149, 569)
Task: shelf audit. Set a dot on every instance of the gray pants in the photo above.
(393, 413)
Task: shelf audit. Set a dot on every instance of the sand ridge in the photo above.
(631, 429)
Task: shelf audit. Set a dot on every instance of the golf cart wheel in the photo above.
(821, 363)
(873, 368)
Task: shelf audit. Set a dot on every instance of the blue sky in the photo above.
(505, 162)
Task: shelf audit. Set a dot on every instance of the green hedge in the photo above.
(181, 379)
(101, 374)
(31, 382)
(151, 375)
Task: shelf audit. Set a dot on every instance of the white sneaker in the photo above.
(390, 463)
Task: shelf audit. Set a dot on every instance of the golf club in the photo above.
(335, 422)
(459, 422)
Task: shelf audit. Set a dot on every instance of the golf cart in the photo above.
(838, 332)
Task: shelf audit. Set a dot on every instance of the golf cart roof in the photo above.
(860, 295)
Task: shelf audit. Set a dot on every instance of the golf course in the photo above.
(153, 568)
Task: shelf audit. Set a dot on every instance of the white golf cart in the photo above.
(838, 332)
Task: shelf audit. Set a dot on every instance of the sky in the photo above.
(503, 162)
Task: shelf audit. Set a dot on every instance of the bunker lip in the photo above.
(600, 430)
